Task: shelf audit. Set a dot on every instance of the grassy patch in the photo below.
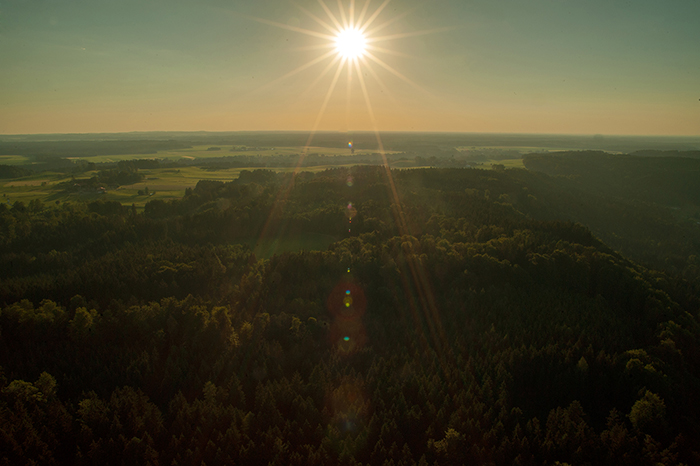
(200, 152)
(13, 160)
(163, 183)
(508, 163)
(521, 149)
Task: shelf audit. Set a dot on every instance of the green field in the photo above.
(170, 183)
(200, 152)
(508, 163)
(521, 149)
(37, 186)
(13, 160)
(165, 184)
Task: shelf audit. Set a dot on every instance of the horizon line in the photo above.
(596, 135)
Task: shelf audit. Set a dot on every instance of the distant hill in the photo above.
(667, 179)
(87, 148)
(692, 154)
(397, 141)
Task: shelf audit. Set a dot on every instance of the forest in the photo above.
(461, 316)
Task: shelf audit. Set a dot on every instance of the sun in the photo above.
(350, 43)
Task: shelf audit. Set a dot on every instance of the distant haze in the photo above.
(63, 144)
(542, 66)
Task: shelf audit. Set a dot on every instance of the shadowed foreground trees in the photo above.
(480, 336)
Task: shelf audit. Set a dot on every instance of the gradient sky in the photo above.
(542, 66)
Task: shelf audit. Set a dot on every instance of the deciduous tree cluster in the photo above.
(480, 332)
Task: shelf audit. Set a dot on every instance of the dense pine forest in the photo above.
(459, 316)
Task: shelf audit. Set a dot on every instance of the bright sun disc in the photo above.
(350, 43)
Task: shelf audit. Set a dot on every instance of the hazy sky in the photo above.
(544, 66)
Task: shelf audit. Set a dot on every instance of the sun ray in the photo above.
(395, 195)
(365, 94)
(408, 34)
(379, 80)
(325, 103)
(348, 97)
(351, 14)
(319, 77)
(394, 72)
(371, 19)
(363, 12)
(343, 18)
(349, 41)
(388, 51)
(330, 15)
(388, 22)
(401, 223)
(421, 283)
(293, 28)
(283, 193)
(316, 18)
(313, 47)
(296, 70)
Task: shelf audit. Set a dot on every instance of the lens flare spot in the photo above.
(349, 181)
(350, 211)
(346, 338)
(348, 269)
(347, 291)
(347, 308)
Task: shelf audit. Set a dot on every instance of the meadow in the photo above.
(210, 150)
(165, 184)
(13, 160)
(170, 183)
